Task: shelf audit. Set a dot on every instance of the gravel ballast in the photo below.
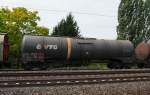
(131, 88)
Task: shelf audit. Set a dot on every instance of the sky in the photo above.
(95, 18)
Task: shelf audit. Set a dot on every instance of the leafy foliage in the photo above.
(18, 22)
(131, 21)
(41, 31)
(67, 27)
(146, 16)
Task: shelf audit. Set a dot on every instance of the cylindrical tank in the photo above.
(4, 47)
(142, 50)
(41, 48)
(100, 49)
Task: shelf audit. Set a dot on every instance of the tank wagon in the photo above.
(142, 52)
(4, 48)
(38, 50)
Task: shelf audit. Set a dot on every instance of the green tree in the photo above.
(131, 21)
(41, 31)
(18, 22)
(1, 25)
(67, 27)
(146, 30)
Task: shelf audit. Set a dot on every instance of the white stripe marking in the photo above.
(94, 80)
(85, 80)
(67, 81)
(48, 82)
(124, 79)
(58, 82)
(77, 81)
(144, 78)
(27, 82)
(138, 78)
(5, 83)
(103, 80)
(17, 83)
(37, 82)
(117, 79)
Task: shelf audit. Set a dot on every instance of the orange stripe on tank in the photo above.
(69, 45)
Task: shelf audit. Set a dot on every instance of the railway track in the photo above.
(52, 78)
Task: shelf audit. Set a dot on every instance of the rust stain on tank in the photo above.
(142, 51)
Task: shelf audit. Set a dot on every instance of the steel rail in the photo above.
(28, 83)
(62, 73)
(27, 79)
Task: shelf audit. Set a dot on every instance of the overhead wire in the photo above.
(76, 12)
(67, 11)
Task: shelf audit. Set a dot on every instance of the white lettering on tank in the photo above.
(38, 46)
(50, 47)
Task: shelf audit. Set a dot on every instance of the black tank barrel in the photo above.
(43, 48)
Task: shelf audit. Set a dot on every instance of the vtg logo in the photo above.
(38, 46)
(50, 47)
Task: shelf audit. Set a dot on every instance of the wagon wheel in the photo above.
(115, 65)
(27, 66)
